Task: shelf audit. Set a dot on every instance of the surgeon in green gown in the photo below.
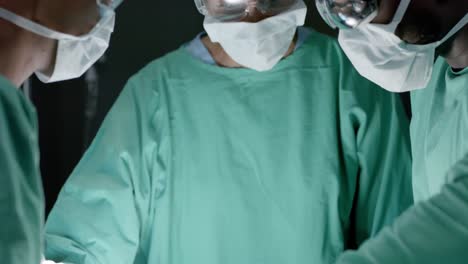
(205, 160)
(432, 55)
(25, 48)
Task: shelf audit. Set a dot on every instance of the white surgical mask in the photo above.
(258, 46)
(75, 55)
(380, 56)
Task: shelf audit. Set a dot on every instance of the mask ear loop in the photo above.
(451, 33)
(368, 19)
(454, 30)
(35, 27)
(397, 17)
(106, 13)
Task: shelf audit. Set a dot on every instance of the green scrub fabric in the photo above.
(439, 129)
(435, 230)
(21, 196)
(196, 163)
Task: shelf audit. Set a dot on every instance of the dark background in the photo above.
(70, 112)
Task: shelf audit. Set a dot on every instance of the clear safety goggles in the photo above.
(232, 10)
(346, 14)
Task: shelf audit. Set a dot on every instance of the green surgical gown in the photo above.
(197, 163)
(21, 197)
(435, 230)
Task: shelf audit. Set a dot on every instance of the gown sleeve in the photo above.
(101, 211)
(381, 152)
(432, 232)
(21, 195)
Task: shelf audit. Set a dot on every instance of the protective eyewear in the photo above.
(232, 10)
(346, 14)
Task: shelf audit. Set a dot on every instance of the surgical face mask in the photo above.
(258, 46)
(380, 56)
(236, 10)
(75, 55)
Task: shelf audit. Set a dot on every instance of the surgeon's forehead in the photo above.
(387, 9)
